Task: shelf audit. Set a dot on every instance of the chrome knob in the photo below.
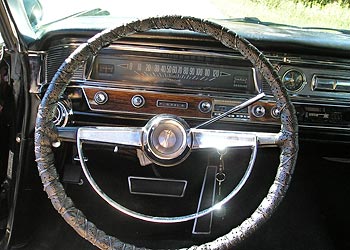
(205, 106)
(101, 97)
(138, 101)
(258, 111)
(275, 112)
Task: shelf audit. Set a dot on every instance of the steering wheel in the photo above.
(149, 138)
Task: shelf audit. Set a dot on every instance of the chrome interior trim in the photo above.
(37, 75)
(320, 102)
(205, 138)
(326, 127)
(255, 81)
(184, 182)
(157, 219)
(175, 102)
(206, 188)
(128, 136)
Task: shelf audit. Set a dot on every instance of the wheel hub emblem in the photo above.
(167, 138)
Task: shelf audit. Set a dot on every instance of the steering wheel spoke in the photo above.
(128, 136)
(205, 138)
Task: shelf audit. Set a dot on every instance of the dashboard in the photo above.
(137, 78)
(194, 77)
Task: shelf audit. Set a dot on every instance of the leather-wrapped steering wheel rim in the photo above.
(46, 134)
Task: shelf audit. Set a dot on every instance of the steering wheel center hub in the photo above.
(166, 140)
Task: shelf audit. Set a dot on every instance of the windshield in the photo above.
(324, 14)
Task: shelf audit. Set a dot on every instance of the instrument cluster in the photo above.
(172, 70)
(143, 81)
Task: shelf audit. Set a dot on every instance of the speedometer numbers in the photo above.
(294, 80)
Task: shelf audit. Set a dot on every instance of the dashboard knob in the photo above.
(258, 111)
(275, 112)
(138, 101)
(101, 97)
(204, 106)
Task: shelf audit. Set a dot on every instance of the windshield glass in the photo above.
(330, 14)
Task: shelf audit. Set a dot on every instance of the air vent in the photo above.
(55, 57)
(266, 87)
(333, 84)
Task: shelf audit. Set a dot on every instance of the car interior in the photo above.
(172, 132)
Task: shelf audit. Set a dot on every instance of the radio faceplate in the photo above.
(323, 116)
(262, 111)
(221, 106)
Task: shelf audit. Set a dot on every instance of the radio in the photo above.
(267, 112)
(333, 116)
(222, 106)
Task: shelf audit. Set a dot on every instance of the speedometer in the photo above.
(294, 80)
(182, 72)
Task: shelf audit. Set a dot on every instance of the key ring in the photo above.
(220, 177)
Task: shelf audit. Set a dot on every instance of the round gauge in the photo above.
(294, 80)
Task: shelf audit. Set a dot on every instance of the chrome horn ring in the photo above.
(163, 123)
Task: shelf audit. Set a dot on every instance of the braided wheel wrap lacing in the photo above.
(46, 134)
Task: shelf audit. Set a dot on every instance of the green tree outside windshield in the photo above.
(333, 14)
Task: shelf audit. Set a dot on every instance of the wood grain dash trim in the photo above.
(119, 101)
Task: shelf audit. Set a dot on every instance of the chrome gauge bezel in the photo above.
(303, 84)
